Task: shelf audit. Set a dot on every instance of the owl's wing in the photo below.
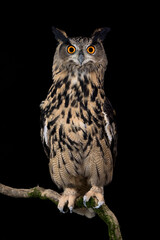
(43, 131)
(110, 127)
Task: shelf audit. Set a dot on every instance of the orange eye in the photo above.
(71, 49)
(91, 49)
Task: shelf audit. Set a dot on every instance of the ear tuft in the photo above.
(59, 35)
(100, 34)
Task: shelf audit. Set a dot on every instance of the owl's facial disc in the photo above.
(81, 53)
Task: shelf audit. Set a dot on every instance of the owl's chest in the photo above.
(74, 106)
(78, 105)
(69, 110)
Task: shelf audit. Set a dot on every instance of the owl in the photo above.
(78, 129)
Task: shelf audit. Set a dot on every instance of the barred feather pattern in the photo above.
(78, 128)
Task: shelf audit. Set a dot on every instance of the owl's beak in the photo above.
(81, 57)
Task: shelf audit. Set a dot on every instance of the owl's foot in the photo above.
(94, 192)
(69, 196)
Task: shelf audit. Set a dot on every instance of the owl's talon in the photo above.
(61, 210)
(71, 209)
(85, 200)
(94, 192)
(67, 199)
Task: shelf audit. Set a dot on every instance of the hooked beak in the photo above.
(81, 57)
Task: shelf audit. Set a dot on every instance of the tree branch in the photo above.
(37, 192)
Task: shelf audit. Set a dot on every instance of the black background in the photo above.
(26, 53)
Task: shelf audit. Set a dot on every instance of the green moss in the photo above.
(36, 194)
(101, 212)
(110, 223)
(79, 203)
(90, 203)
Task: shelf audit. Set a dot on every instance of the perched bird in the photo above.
(78, 129)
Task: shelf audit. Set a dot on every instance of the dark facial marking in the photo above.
(63, 50)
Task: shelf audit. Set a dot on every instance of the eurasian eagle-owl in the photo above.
(78, 130)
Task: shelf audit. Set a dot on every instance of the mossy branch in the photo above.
(37, 192)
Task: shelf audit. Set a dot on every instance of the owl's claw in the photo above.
(61, 210)
(71, 209)
(85, 200)
(94, 192)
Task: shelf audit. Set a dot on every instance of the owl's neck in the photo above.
(94, 73)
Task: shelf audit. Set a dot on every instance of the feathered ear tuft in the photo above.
(100, 34)
(60, 35)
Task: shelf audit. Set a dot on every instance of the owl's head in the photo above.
(80, 52)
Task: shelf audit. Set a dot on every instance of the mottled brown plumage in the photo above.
(77, 120)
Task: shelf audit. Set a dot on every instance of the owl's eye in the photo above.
(71, 49)
(91, 49)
